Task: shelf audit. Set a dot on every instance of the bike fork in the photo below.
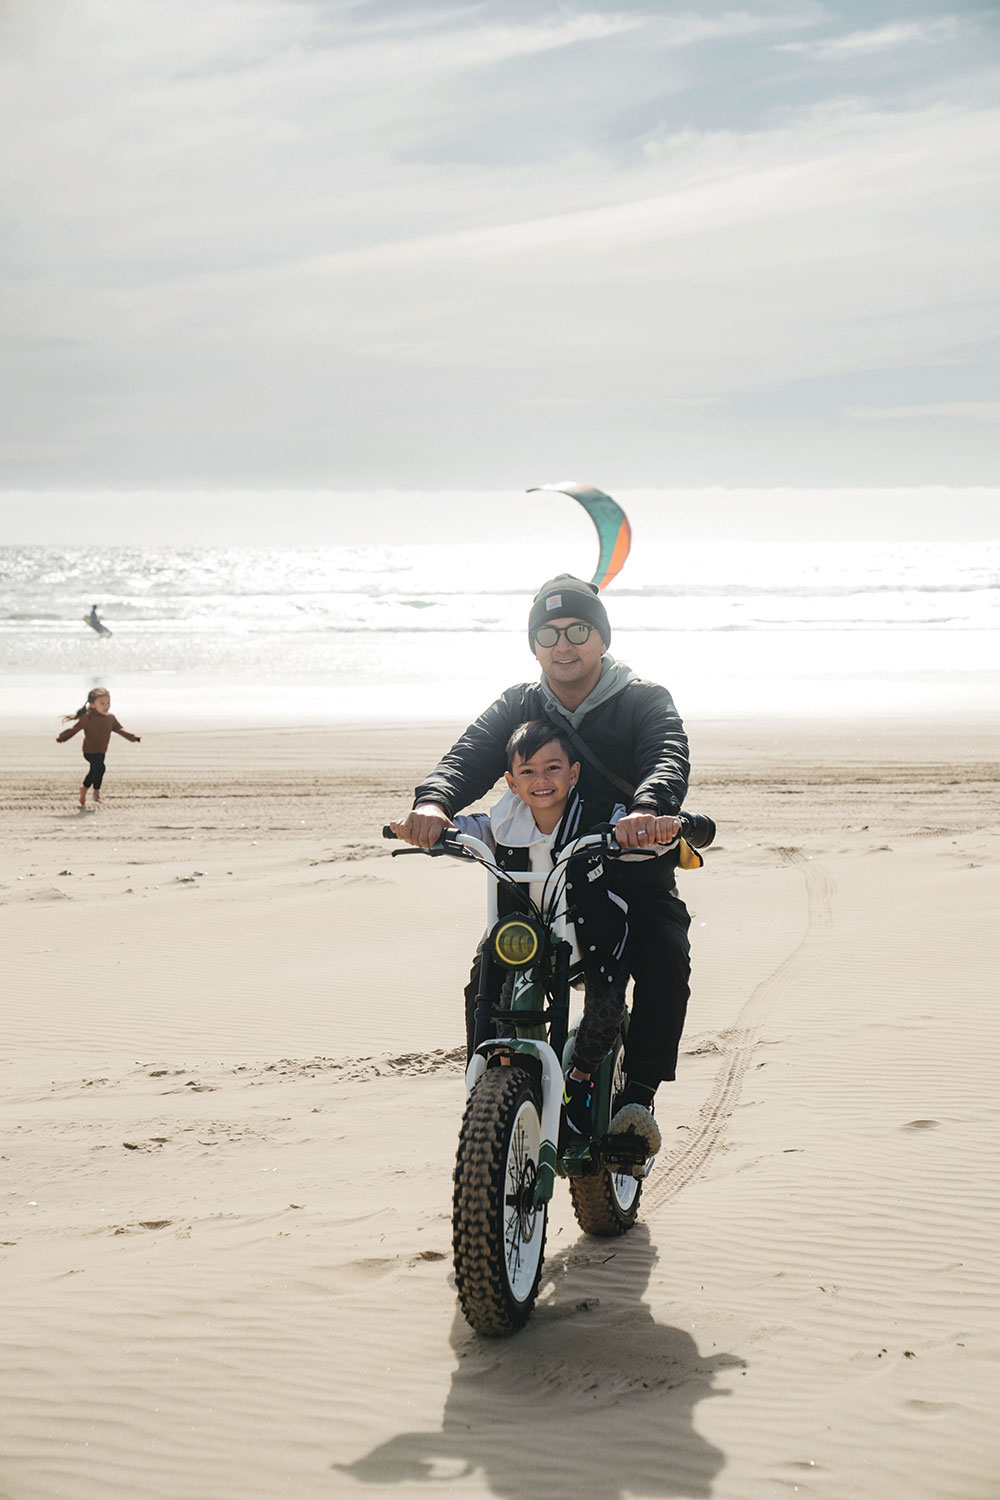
(552, 1092)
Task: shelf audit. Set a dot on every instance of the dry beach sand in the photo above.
(230, 1099)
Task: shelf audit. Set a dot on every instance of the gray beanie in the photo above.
(566, 597)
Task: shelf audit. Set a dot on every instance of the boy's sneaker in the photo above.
(632, 1124)
(577, 1094)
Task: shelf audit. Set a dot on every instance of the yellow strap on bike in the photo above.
(688, 858)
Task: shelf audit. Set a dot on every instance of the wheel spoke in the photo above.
(513, 1239)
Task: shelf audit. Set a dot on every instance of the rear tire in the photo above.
(607, 1204)
(499, 1235)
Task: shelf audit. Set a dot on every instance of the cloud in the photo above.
(727, 261)
(212, 137)
(265, 225)
(975, 411)
(692, 29)
(883, 38)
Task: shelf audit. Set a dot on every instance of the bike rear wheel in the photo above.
(499, 1233)
(607, 1204)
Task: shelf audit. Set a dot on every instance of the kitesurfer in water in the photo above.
(93, 619)
(631, 746)
(98, 723)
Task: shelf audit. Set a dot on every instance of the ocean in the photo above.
(257, 635)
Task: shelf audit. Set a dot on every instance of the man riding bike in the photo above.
(631, 746)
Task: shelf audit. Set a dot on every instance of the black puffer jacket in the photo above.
(637, 734)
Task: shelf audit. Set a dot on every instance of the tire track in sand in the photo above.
(678, 1167)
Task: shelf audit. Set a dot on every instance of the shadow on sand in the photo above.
(592, 1401)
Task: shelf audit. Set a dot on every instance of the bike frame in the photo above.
(538, 1054)
(508, 1153)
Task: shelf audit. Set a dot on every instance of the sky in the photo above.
(375, 245)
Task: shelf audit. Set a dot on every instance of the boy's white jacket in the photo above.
(511, 821)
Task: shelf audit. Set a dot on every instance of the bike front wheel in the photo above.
(499, 1232)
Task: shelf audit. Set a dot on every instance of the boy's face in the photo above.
(544, 780)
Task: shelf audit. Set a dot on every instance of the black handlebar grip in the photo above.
(698, 829)
(387, 832)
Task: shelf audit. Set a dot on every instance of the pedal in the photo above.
(626, 1152)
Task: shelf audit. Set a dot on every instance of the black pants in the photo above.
(658, 959)
(658, 956)
(95, 775)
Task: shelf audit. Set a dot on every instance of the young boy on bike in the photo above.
(539, 814)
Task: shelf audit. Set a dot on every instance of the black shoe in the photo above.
(577, 1094)
(633, 1128)
(634, 1132)
(632, 1093)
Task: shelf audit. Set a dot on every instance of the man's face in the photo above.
(569, 665)
(544, 780)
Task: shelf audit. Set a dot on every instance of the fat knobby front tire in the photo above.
(499, 1234)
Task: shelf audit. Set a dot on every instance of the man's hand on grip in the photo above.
(423, 826)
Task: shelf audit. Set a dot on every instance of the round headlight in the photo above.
(516, 942)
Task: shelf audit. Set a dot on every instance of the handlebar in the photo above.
(452, 842)
(696, 828)
(450, 836)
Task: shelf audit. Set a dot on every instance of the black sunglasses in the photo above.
(576, 634)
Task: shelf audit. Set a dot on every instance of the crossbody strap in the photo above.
(585, 753)
(688, 858)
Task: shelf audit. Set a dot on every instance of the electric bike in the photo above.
(513, 1143)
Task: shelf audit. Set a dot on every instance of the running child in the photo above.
(97, 722)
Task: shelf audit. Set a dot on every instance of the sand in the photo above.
(231, 1094)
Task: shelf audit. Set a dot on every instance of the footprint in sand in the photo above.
(368, 1269)
(425, 1255)
(47, 893)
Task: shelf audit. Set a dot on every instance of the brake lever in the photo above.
(435, 850)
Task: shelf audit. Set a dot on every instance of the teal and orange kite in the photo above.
(613, 530)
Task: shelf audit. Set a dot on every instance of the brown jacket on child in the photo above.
(96, 732)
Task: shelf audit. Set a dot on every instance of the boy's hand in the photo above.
(423, 826)
(640, 830)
